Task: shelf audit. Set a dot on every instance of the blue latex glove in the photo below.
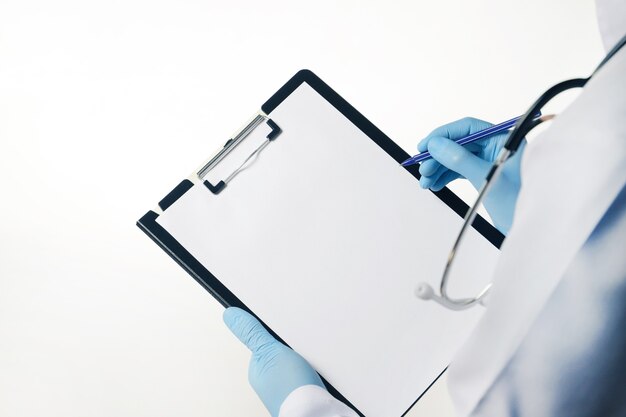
(451, 161)
(275, 370)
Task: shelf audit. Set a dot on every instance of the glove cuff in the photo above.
(313, 401)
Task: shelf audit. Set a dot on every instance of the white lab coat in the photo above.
(556, 212)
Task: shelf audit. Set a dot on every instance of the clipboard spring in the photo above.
(231, 144)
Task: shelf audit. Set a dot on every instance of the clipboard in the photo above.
(213, 181)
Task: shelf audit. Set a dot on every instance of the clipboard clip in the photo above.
(231, 144)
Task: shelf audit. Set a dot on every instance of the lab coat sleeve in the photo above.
(313, 401)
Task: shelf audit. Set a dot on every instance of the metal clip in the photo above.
(231, 144)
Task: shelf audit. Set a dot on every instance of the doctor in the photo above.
(560, 348)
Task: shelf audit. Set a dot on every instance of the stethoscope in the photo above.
(515, 139)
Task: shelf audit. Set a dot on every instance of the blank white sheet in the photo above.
(325, 237)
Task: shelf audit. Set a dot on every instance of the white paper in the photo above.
(325, 237)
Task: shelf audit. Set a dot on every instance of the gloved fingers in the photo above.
(458, 159)
(455, 130)
(429, 167)
(475, 147)
(440, 179)
(422, 146)
(444, 180)
(428, 181)
(247, 329)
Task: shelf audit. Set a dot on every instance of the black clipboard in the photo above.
(211, 283)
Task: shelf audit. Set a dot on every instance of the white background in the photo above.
(105, 106)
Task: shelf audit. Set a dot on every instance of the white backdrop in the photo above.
(105, 106)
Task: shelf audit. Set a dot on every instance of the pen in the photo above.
(509, 124)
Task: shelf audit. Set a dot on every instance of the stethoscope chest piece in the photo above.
(425, 291)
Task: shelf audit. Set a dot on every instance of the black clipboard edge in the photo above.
(208, 281)
(175, 194)
(389, 146)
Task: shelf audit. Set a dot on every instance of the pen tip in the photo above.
(407, 162)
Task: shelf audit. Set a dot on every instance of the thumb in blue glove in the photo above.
(451, 161)
(275, 370)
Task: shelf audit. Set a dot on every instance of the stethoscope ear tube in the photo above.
(527, 122)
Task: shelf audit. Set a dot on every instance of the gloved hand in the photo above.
(451, 161)
(275, 370)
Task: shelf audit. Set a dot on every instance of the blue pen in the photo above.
(509, 124)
